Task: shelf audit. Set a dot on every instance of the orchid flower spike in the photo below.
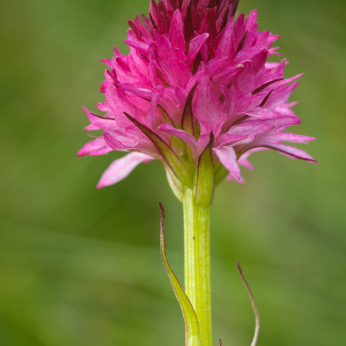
(196, 82)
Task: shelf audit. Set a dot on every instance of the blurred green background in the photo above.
(80, 266)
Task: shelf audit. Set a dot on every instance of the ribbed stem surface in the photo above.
(197, 262)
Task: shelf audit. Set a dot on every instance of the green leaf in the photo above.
(193, 336)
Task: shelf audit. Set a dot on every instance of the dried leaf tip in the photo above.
(253, 303)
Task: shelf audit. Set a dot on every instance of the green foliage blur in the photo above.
(80, 266)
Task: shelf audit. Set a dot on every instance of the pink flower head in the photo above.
(194, 77)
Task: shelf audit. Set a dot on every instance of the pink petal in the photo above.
(119, 103)
(243, 160)
(251, 19)
(249, 130)
(278, 97)
(289, 137)
(266, 39)
(121, 168)
(140, 46)
(103, 86)
(239, 29)
(96, 144)
(291, 151)
(262, 113)
(228, 158)
(116, 144)
(172, 64)
(98, 122)
(195, 46)
(281, 123)
(207, 108)
(101, 151)
(224, 40)
(251, 37)
(283, 82)
(285, 109)
(224, 78)
(228, 139)
(231, 177)
(151, 116)
(176, 33)
(245, 82)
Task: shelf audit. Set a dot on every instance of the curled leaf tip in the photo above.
(253, 303)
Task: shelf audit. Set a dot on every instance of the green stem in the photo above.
(197, 262)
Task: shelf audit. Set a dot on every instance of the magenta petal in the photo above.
(228, 158)
(281, 123)
(101, 151)
(250, 128)
(251, 19)
(207, 108)
(231, 177)
(151, 116)
(245, 82)
(176, 33)
(228, 139)
(224, 40)
(140, 46)
(195, 46)
(287, 81)
(278, 97)
(116, 144)
(171, 63)
(285, 109)
(96, 144)
(262, 113)
(103, 86)
(121, 168)
(290, 151)
(246, 163)
(98, 122)
(224, 78)
(289, 137)
(243, 160)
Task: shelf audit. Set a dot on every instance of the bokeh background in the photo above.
(80, 266)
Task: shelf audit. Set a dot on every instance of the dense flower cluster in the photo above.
(194, 76)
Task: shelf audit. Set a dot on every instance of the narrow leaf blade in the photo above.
(193, 337)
